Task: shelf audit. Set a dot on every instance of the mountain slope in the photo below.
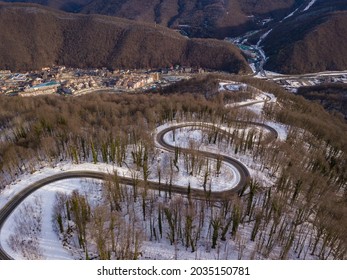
(32, 37)
(312, 40)
(305, 35)
(196, 18)
(64, 5)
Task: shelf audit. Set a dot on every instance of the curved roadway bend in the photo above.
(6, 211)
(243, 171)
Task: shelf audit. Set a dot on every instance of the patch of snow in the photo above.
(231, 85)
(234, 87)
(262, 53)
(262, 37)
(256, 108)
(310, 5)
(281, 129)
(272, 74)
(254, 69)
(290, 15)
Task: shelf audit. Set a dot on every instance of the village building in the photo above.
(40, 89)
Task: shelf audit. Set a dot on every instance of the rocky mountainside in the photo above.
(32, 37)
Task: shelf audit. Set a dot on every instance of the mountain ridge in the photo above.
(33, 37)
(196, 18)
(306, 36)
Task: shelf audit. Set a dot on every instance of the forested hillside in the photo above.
(212, 18)
(303, 36)
(33, 37)
(309, 43)
(301, 214)
(333, 97)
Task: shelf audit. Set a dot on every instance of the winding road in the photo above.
(6, 211)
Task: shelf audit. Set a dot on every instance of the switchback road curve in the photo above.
(6, 211)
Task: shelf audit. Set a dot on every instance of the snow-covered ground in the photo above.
(260, 98)
(49, 244)
(256, 104)
(232, 86)
(281, 129)
(27, 179)
(51, 247)
(228, 178)
(187, 135)
(253, 67)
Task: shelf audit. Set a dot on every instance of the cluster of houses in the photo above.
(63, 80)
(72, 81)
(136, 81)
(73, 85)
